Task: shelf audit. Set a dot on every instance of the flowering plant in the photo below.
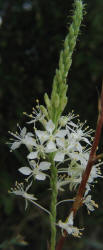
(62, 150)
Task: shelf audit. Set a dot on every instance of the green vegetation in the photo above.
(30, 44)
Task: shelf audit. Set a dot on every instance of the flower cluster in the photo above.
(69, 143)
(68, 226)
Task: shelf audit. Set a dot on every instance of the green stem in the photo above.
(53, 183)
(57, 102)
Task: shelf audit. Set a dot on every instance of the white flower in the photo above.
(75, 170)
(76, 167)
(39, 151)
(49, 136)
(80, 157)
(81, 134)
(19, 190)
(62, 181)
(67, 120)
(95, 172)
(68, 226)
(73, 175)
(22, 138)
(36, 170)
(45, 135)
(74, 143)
(88, 188)
(36, 115)
(59, 156)
(64, 147)
(90, 203)
(70, 147)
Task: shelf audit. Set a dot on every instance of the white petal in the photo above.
(78, 147)
(87, 189)
(86, 140)
(23, 132)
(51, 147)
(32, 164)
(15, 145)
(44, 165)
(32, 155)
(29, 141)
(50, 126)
(61, 133)
(60, 142)
(30, 134)
(65, 226)
(18, 192)
(88, 199)
(69, 229)
(40, 176)
(62, 224)
(70, 147)
(25, 170)
(43, 136)
(70, 219)
(59, 156)
(90, 207)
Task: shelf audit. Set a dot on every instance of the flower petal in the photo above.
(43, 136)
(51, 147)
(59, 156)
(29, 141)
(60, 142)
(25, 170)
(44, 165)
(40, 176)
(23, 132)
(50, 126)
(30, 134)
(15, 145)
(70, 219)
(86, 140)
(61, 133)
(32, 155)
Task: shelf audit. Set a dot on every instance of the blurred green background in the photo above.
(31, 37)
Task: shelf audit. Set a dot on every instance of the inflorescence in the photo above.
(69, 144)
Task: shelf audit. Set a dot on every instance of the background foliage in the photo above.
(31, 37)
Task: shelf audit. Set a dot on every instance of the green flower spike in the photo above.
(58, 100)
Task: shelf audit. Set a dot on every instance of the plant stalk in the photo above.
(53, 183)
